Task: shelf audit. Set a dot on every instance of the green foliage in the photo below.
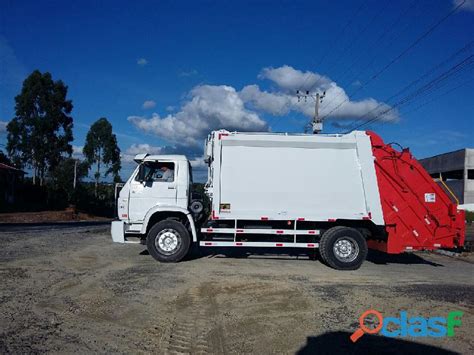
(469, 216)
(5, 159)
(31, 198)
(101, 149)
(62, 176)
(39, 138)
(41, 131)
(100, 202)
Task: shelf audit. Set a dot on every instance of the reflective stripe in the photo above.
(259, 244)
(260, 231)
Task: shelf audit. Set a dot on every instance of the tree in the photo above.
(101, 149)
(64, 174)
(4, 159)
(40, 133)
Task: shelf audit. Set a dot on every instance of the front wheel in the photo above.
(343, 248)
(168, 241)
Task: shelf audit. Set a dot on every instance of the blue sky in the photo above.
(166, 72)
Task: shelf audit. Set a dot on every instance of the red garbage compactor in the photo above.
(418, 213)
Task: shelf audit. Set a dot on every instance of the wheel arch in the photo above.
(159, 213)
(366, 227)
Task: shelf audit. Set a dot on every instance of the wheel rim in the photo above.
(168, 241)
(346, 249)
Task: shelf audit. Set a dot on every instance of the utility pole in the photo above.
(75, 174)
(316, 123)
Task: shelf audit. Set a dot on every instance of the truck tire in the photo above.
(168, 241)
(343, 248)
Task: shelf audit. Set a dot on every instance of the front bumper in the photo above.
(118, 231)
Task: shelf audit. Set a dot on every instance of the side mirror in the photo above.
(141, 173)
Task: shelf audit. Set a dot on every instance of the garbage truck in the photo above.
(341, 193)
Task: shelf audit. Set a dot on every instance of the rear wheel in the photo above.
(168, 241)
(343, 248)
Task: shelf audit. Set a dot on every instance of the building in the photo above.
(456, 170)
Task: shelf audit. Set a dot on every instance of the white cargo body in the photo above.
(339, 193)
(268, 176)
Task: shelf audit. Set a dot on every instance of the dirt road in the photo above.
(73, 290)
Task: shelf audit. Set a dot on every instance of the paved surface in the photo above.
(73, 290)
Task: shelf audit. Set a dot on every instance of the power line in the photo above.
(429, 87)
(436, 67)
(433, 99)
(399, 56)
(338, 37)
(388, 29)
(423, 90)
(440, 95)
(359, 35)
(346, 26)
(379, 39)
(468, 46)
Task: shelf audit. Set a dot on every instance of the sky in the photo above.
(166, 73)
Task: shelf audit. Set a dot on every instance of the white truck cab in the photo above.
(159, 189)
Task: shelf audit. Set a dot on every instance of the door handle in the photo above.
(171, 187)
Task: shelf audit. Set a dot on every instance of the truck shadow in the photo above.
(339, 343)
(243, 253)
(374, 256)
(380, 258)
(254, 253)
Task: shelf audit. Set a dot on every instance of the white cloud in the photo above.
(170, 108)
(209, 108)
(468, 5)
(148, 104)
(277, 103)
(3, 126)
(77, 151)
(290, 79)
(336, 103)
(185, 74)
(135, 149)
(142, 62)
(198, 163)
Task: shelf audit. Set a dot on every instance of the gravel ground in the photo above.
(73, 290)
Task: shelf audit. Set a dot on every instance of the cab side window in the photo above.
(159, 171)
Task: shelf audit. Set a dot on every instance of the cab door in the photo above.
(158, 188)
